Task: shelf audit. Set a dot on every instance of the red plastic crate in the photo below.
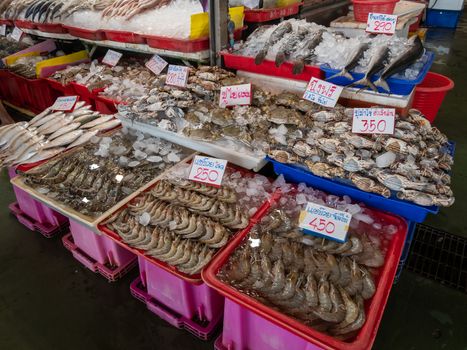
(62, 90)
(265, 15)
(6, 22)
(25, 24)
(267, 67)
(362, 8)
(105, 105)
(51, 28)
(41, 95)
(85, 33)
(124, 37)
(84, 94)
(183, 45)
(288, 332)
(18, 90)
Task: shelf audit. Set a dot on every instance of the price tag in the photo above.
(208, 170)
(381, 23)
(16, 34)
(3, 30)
(112, 57)
(235, 95)
(325, 222)
(177, 75)
(323, 93)
(64, 103)
(373, 120)
(156, 64)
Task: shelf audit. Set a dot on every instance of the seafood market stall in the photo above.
(147, 160)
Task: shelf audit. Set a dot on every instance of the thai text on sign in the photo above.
(323, 93)
(177, 75)
(373, 121)
(381, 23)
(235, 95)
(208, 170)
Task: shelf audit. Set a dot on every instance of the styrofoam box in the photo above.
(452, 5)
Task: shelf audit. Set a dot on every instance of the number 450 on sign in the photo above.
(326, 222)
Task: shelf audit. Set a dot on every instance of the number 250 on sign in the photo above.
(208, 170)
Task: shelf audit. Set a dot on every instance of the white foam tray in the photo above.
(241, 159)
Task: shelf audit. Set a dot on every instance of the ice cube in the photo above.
(154, 159)
(385, 159)
(133, 164)
(123, 161)
(139, 155)
(173, 157)
(172, 225)
(144, 219)
(364, 218)
(301, 199)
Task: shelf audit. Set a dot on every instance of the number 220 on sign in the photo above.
(208, 170)
(322, 221)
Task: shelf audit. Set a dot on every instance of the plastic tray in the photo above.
(51, 28)
(193, 279)
(25, 24)
(267, 67)
(111, 273)
(397, 86)
(264, 15)
(124, 37)
(85, 33)
(241, 159)
(291, 333)
(408, 210)
(442, 18)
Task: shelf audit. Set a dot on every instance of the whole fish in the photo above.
(107, 126)
(277, 34)
(100, 120)
(54, 125)
(305, 51)
(86, 118)
(404, 60)
(376, 64)
(46, 118)
(83, 138)
(352, 62)
(40, 115)
(64, 139)
(66, 129)
(44, 154)
(288, 46)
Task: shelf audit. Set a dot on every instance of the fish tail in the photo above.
(382, 84)
(365, 82)
(298, 67)
(342, 73)
(280, 58)
(261, 56)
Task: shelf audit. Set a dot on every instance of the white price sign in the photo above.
(208, 170)
(323, 93)
(112, 57)
(373, 120)
(177, 75)
(235, 95)
(325, 222)
(156, 64)
(3, 30)
(16, 34)
(381, 23)
(64, 103)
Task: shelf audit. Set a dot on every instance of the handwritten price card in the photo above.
(111, 58)
(322, 221)
(17, 34)
(235, 95)
(3, 30)
(156, 64)
(323, 93)
(177, 75)
(373, 121)
(208, 170)
(64, 103)
(381, 23)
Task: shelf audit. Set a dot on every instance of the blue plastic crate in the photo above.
(442, 18)
(396, 85)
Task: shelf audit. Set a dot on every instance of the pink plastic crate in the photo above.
(196, 308)
(244, 329)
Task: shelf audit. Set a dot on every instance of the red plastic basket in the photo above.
(430, 93)
(362, 8)
(374, 307)
(85, 33)
(51, 27)
(269, 68)
(124, 37)
(6, 22)
(265, 15)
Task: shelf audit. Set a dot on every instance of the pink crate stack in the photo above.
(98, 253)
(194, 307)
(35, 215)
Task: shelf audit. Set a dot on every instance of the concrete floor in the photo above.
(49, 301)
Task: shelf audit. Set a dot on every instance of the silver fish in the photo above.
(83, 138)
(44, 154)
(352, 62)
(64, 139)
(101, 120)
(64, 130)
(107, 126)
(47, 118)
